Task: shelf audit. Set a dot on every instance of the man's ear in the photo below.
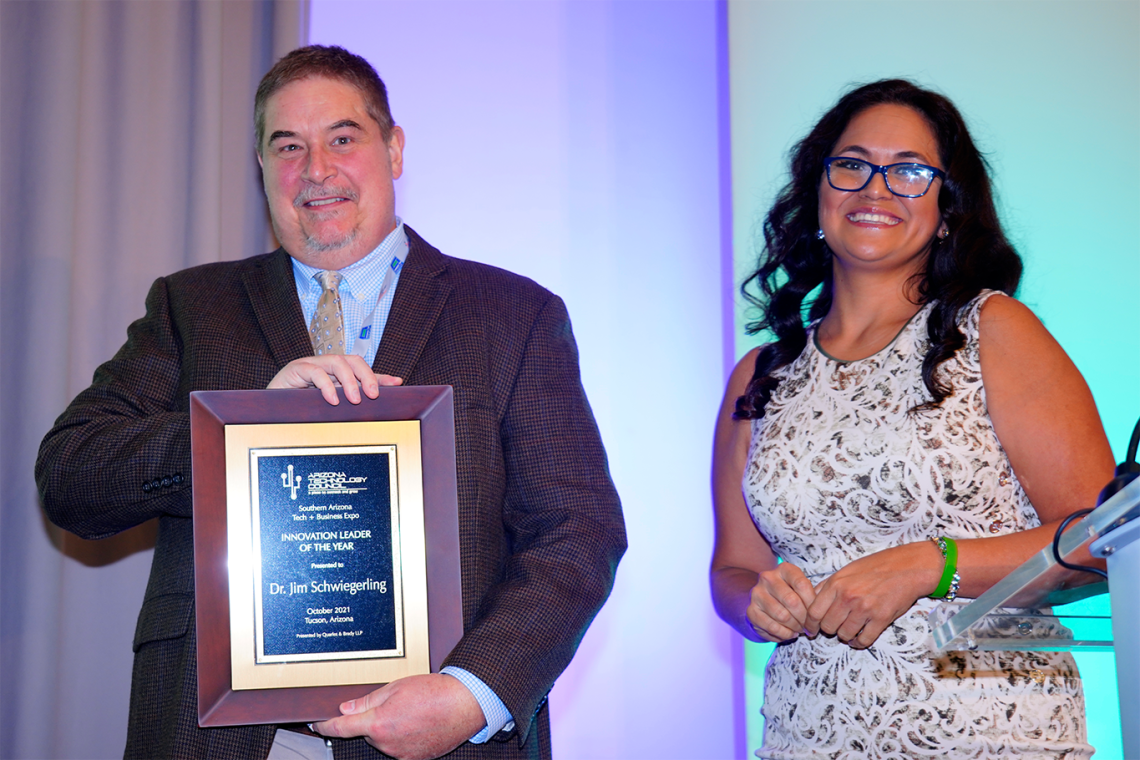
(396, 151)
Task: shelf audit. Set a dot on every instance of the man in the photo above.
(540, 524)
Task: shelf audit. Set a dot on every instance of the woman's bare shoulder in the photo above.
(1002, 315)
(1041, 409)
(742, 372)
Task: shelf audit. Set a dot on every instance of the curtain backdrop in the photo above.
(127, 155)
(577, 143)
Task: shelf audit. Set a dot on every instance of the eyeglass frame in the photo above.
(877, 169)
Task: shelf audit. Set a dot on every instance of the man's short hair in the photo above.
(325, 61)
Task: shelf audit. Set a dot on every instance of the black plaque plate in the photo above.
(326, 532)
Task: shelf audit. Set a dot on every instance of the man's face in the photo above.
(328, 172)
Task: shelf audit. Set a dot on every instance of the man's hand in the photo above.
(414, 718)
(328, 371)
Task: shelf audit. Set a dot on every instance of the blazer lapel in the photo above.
(273, 294)
(420, 296)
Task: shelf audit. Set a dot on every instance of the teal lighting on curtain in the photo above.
(1034, 80)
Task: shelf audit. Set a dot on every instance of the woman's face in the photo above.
(874, 228)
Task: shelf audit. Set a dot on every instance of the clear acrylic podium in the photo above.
(1015, 614)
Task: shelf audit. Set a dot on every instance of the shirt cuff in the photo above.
(496, 714)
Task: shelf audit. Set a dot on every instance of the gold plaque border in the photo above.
(405, 436)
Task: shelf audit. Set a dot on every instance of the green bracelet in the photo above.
(948, 586)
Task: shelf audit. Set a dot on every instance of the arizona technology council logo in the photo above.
(323, 483)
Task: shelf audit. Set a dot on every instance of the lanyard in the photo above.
(363, 345)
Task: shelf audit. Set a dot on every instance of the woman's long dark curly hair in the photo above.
(794, 262)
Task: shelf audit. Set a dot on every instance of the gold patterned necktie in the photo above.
(327, 328)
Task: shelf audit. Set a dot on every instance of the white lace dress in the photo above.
(838, 470)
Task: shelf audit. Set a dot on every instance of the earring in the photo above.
(819, 235)
(944, 232)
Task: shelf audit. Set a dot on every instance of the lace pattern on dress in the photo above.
(840, 468)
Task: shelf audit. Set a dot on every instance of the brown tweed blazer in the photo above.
(541, 529)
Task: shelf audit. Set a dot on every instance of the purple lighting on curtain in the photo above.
(578, 144)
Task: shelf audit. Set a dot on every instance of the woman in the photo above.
(920, 402)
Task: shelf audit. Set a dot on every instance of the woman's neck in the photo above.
(868, 309)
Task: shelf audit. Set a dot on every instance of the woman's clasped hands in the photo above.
(855, 605)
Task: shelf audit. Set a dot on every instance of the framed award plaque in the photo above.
(326, 548)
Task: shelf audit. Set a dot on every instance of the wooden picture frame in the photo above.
(340, 573)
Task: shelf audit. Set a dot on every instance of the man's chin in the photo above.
(316, 246)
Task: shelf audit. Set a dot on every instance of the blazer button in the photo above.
(177, 478)
(156, 483)
(146, 487)
(166, 482)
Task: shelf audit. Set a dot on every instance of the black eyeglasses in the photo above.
(904, 180)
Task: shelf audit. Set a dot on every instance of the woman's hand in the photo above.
(857, 603)
(778, 610)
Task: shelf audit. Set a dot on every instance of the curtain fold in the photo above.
(128, 154)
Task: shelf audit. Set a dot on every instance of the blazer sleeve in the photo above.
(120, 453)
(563, 521)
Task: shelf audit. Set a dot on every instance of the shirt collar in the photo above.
(364, 275)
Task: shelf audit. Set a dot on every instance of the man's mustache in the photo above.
(323, 193)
